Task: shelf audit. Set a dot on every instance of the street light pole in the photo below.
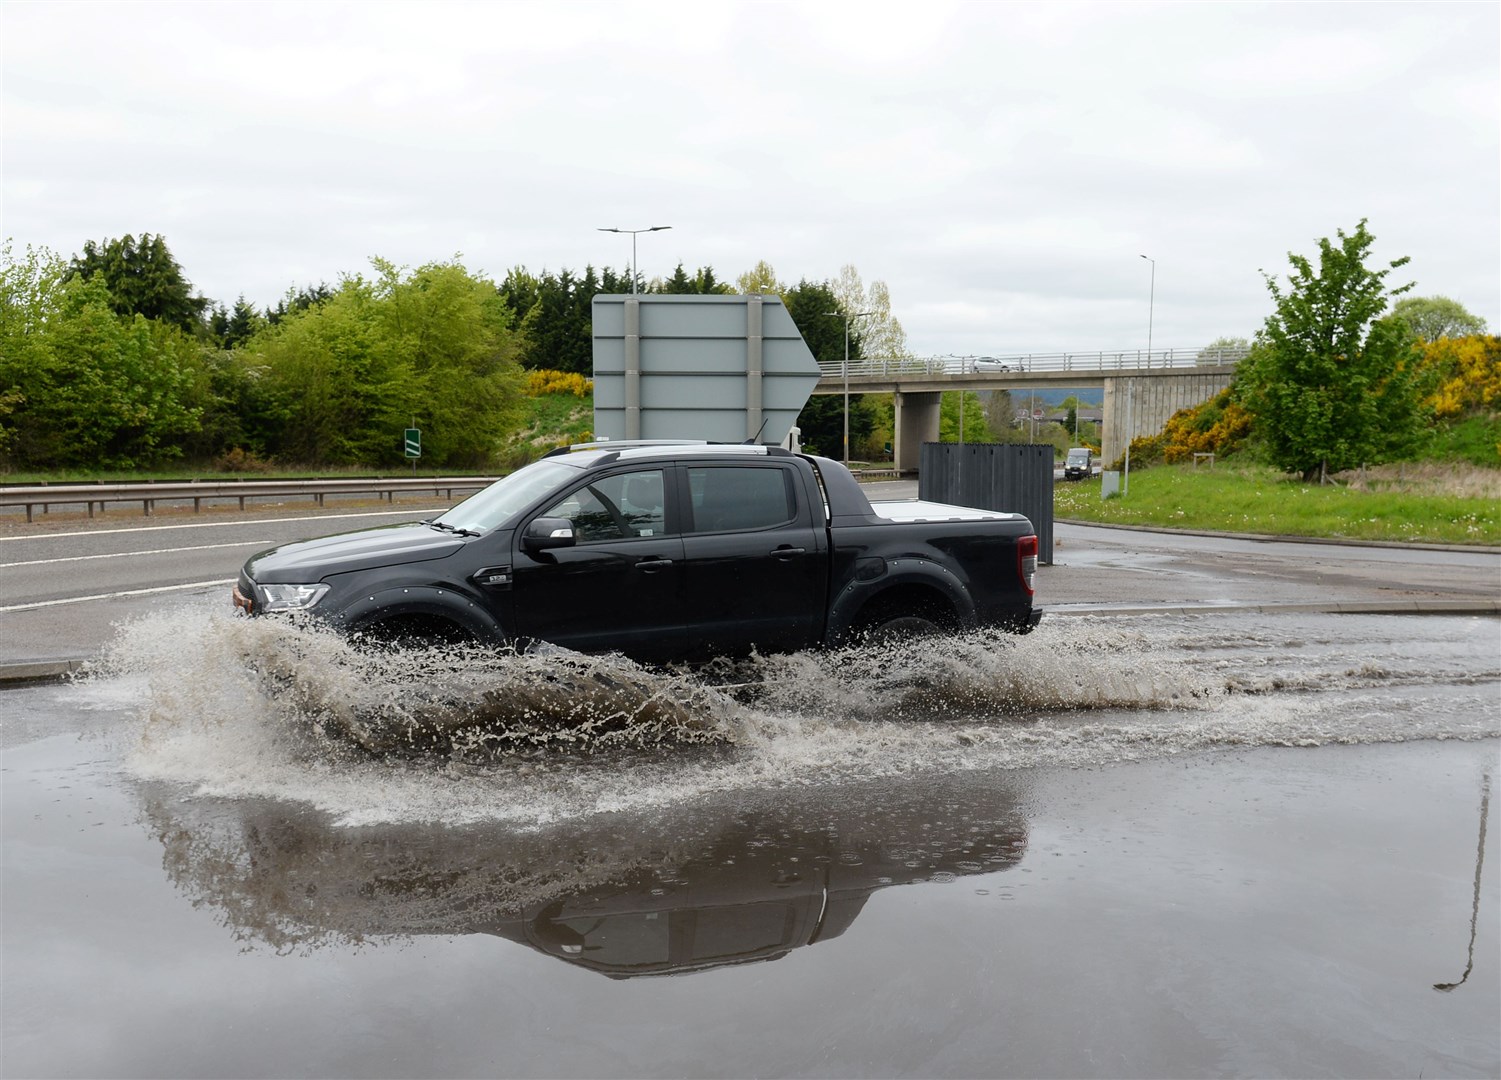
(847, 318)
(634, 232)
(1131, 385)
(1151, 306)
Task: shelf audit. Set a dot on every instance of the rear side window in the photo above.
(740, 497)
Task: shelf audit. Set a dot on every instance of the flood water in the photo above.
(1150, 846)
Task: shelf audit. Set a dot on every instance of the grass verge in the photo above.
(1252, 499)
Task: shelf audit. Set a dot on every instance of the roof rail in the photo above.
(619, 444)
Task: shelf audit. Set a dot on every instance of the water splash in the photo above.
(269, 708)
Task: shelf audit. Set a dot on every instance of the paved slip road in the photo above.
(66, 580)
(1173, 845)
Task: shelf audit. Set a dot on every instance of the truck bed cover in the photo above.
(916, 510)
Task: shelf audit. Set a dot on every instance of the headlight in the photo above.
(292, 597)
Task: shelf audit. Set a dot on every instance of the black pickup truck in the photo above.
(663, 552)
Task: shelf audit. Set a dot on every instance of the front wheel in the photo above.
(882, 629)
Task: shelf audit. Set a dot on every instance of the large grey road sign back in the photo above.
(724, 368)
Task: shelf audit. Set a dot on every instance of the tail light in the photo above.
(1026, 561)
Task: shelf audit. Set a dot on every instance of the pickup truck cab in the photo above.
(663, 552)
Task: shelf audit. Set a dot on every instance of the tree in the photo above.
(1331, 381)
(678, 284)
(1000, 416)
(1434, 317)
(347, 375)
(822, 420)
(555, 316)
(702, 283)
(143, 279)
(82, 385)
(881, 335)
(1223, 349)
(760, 278)
(299, 300)
(237, 326)
(976, 428)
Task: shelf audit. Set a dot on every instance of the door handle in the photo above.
(651, 566)
(785, 553)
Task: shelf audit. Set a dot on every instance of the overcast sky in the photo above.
(1002, 167)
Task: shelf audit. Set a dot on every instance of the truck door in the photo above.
(620, 587)
(756, 564)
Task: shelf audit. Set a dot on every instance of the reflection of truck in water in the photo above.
(1079, 463)
(736, 880)
(757, 895)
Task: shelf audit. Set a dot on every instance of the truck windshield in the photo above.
(1078, 457)
(509, 496)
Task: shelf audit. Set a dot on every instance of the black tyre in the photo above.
(895, 626)
(411, 632)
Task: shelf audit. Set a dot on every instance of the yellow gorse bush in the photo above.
(1217, 426)
(558, 382)
(1468, 374)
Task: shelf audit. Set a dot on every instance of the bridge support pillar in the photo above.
(1142, 405)
(915, 422)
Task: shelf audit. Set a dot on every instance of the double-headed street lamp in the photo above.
(633, 232)
(847, 318)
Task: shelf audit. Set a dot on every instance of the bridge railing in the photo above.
(1102, 361)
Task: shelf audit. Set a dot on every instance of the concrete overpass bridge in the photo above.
(1142, 389)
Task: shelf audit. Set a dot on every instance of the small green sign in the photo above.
(414, 442)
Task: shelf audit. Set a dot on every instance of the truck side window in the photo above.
(617, 507)
(740, 497)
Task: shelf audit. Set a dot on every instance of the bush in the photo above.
(558, 382)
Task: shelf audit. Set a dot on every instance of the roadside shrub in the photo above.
(242, 461)
(1145, 450)
(1465, 373)
(547, 381)
(1219, 426)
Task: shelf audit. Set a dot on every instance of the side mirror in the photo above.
(544, 533)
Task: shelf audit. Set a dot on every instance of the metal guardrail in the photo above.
(149, 494)
(1124, 360)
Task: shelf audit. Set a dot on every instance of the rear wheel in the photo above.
(900, 618)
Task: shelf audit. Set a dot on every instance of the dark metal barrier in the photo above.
(1014, 477)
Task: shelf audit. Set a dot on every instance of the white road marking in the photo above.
(413, 514)
(117, 595)
(127, 554)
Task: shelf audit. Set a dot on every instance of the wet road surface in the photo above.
(65, 583)
(1208, 845)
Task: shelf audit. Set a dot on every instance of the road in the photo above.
(65, 581)
(1225, 843)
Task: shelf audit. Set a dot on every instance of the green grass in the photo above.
(1251, 499)
(1475, 439)
(563, 417)
(552, 420)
